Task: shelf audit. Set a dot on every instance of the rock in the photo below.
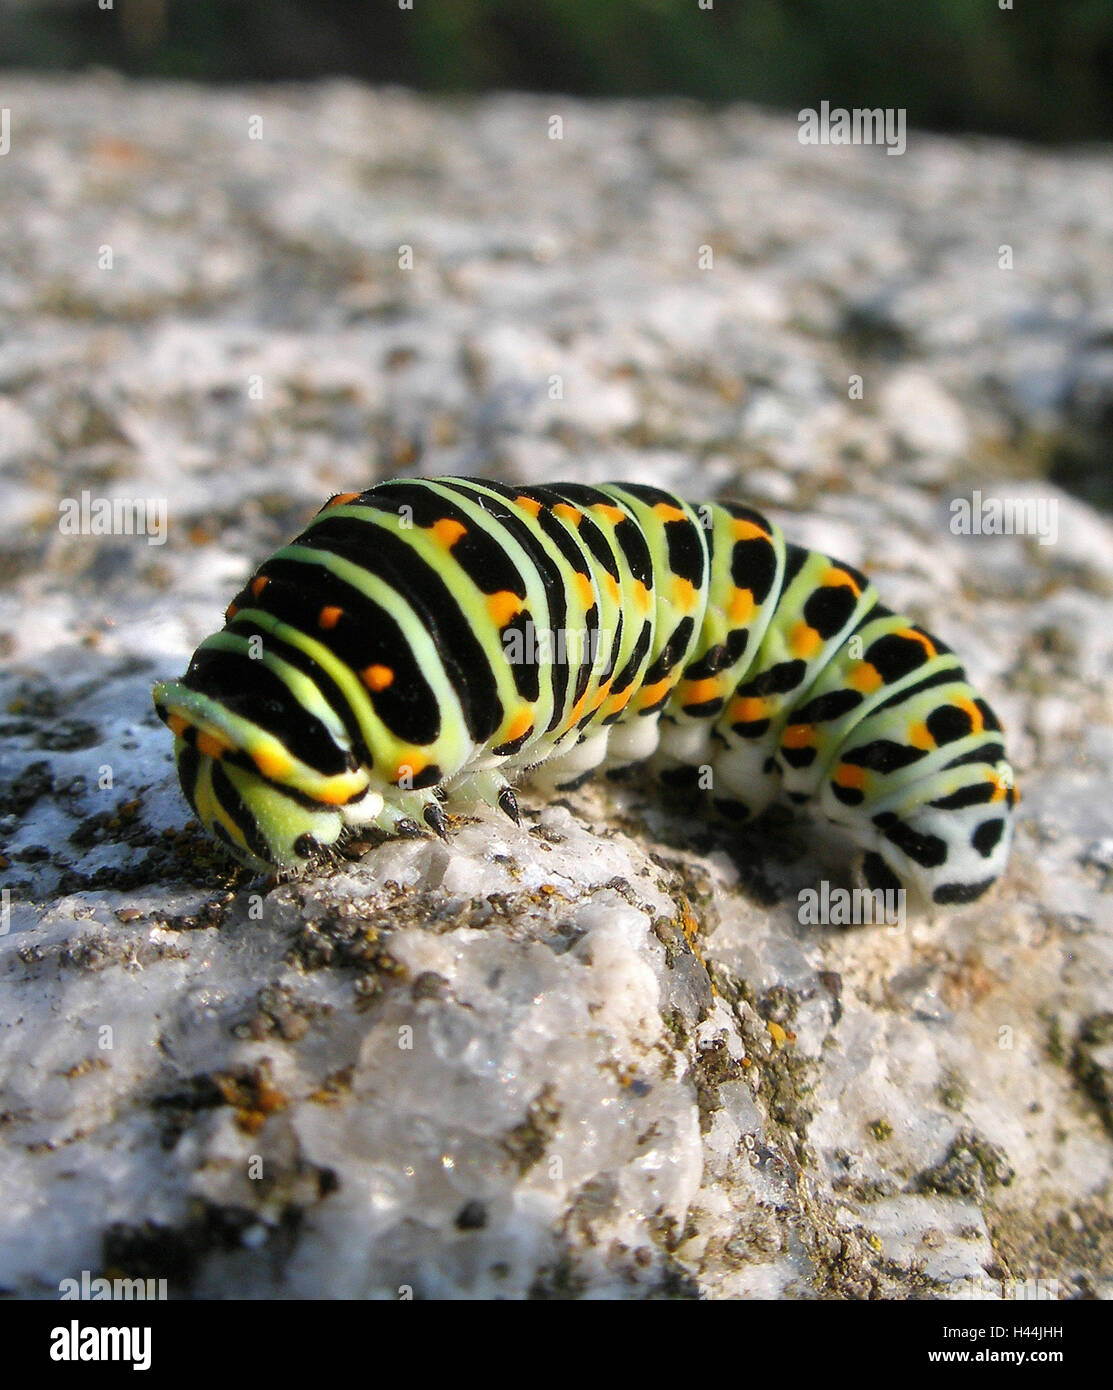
(923, 416)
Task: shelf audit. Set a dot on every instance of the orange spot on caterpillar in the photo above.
(177, 724)
(568, 513)
(837, 577)
(977, 723)
(211, 746)
(804, 641)
(273, 765)
(575, 713)
(377, 677)
(919, 736)
(258, 584)
(921, 637)
(748, 531)
(621, 699)
(697, 692)
(748, 709)
(612, 588)
(666, 512)
(519, 725)
(847, 775)
(410, 766)
(528, 504)
(339, 790)
(601, 694)
(329, 617)
(741, 608)
(503, 606)
(230, 612)
(683, 593)
(341, 499)
(649, 695)
(1006, 788)
(865, 677)
(585, 590)
(798, 736)
(609, 512)
(447, 532)
(642, 596)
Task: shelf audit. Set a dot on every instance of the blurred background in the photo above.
(1037, 71)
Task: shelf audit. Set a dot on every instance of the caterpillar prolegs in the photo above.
(424, 643)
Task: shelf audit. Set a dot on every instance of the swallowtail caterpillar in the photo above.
(427, 642)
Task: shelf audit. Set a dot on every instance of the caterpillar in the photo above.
(424, 643)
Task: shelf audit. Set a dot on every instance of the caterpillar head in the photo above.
(265, 821)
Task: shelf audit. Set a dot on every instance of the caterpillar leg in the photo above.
(686, 743)
(489, 787)
(399, 813)
(633, 742)
(559, 773)
(745, 779)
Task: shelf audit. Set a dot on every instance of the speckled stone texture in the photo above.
(600, 1055)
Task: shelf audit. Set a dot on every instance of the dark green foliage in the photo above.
(1036, 71)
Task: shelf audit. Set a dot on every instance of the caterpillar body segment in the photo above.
(427, 642)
